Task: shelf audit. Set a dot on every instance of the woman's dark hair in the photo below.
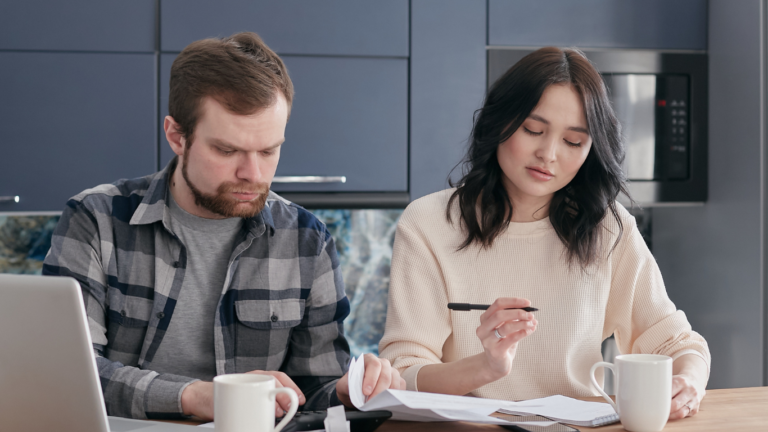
(575, 210)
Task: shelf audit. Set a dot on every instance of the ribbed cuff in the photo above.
(163, 397)
(681, 353)
(410, 376)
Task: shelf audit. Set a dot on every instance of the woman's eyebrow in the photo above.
(545, 121)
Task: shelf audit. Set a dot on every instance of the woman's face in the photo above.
(546, 152)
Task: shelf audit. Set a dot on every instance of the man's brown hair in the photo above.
(239, 71)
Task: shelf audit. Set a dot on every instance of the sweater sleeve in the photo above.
(639, 313)
(418, 321)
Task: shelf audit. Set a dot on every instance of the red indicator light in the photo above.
(662, 103)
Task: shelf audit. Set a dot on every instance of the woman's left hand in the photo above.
(685, 397)
(379, 376)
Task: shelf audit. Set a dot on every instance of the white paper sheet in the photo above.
(565, 409)
(426, 407)
(356, 374)
(336, 420)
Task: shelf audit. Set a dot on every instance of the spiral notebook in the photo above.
(565, 410)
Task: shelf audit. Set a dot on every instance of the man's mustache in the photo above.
(244, 187)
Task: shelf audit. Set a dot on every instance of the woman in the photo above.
(534, 221)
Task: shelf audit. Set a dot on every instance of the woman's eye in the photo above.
(572, 144)
(530, 132)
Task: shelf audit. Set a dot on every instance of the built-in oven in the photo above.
(661, 100)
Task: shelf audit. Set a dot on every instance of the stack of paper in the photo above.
(565, 410)
(426, 407)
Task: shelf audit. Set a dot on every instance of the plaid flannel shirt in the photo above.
(281, 308)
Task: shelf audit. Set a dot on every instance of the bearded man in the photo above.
(200, 270)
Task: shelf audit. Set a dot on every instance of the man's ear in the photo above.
(174, 137)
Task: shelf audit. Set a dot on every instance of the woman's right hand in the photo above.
(512, 324)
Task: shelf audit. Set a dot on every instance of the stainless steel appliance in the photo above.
(661, 100)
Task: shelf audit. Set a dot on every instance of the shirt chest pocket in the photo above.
(270, 314)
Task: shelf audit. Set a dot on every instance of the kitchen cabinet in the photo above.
(70, 121)
(314, 27)
(447, 77)
(349, 118)
(78, 25)
(649, 24)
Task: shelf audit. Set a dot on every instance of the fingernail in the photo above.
(368, 389)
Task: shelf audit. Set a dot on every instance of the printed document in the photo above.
(426, 407)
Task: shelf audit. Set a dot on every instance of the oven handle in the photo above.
(309, 179)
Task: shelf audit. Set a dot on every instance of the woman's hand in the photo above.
(501, 328)
(379, 376)
(685, 397)
(688, 386)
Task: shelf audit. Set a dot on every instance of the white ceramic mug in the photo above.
(246, 403)
(643, 390)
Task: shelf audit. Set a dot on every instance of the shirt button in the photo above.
(160, 315)
(274, 318)
(122, 312)
(176, 264)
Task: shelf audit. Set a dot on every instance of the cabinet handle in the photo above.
(9, 199)
(309, 179)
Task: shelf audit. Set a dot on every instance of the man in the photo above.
(199, 270)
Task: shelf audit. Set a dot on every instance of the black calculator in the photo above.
(359, 421)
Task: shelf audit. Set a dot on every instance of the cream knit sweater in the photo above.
(622, 295)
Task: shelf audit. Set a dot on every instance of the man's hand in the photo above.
(379, 376)
(283, 402)
(197, 398)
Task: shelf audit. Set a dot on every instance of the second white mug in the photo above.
(246, 403)
(643, 390)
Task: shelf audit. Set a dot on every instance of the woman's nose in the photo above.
(547, 151)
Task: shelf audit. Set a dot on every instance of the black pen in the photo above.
(469, 306)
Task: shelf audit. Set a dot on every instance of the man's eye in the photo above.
(225, 152)
(530, 132)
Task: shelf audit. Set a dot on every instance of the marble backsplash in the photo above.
(364, 241)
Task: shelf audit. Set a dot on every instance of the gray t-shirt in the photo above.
(187, 347)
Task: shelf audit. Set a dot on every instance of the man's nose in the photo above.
(249, 168)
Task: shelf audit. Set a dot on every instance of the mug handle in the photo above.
(291, 411)
(610, 366)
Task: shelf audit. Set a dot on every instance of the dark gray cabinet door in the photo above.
(349, 118)
(329, 27)
(650, 24)
(447, 86)
(71, 121)
(78, 25)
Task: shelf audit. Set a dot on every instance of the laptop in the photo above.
(48, 375)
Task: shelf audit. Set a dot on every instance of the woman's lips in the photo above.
(540, 174)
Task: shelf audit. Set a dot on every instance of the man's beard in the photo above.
(221, 204)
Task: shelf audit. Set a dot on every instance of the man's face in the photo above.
(233, 159)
